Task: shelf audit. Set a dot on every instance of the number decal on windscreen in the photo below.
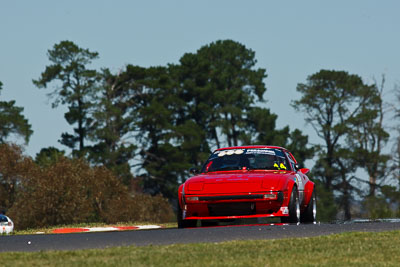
(260, 151)
(229, 152)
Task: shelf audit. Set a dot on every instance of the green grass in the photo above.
(348, 249)
(49, 230)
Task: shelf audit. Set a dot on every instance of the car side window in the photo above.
(281, 160)
(291, 162)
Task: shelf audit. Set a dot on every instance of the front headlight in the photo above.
(274, 195)
(271, 196)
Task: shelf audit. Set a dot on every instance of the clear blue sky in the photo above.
(292, 39)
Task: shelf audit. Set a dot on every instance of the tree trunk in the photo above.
(214, 131)
(372, 186)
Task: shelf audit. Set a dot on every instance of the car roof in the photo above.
(251, 146)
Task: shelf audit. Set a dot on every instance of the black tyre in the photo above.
(294, 208)
(184, 223)
(310, 213)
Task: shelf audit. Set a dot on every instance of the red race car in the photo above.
(247, 182)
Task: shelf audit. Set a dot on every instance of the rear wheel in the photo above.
(184, 223)
(310, 214)
(294, 208)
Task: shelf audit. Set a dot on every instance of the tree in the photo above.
(261, 130)
(160, 116)
(396, 147)
(331, 101)
(75, 89)
(297, 143)
(221, 83)
(367, 139)
(223, 90)
(12, 121)
(391, 194)
(48, 156)
(115, 114)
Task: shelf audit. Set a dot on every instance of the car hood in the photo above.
(237, 182)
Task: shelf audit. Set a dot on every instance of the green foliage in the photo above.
(367, 138)
(262, 123)
(165, 166)
(386, 204)
(48, 156)
(261, 130)
(161, 133)
(395, 164)
(298, 145)
(114, 117)
(12, 121)
(326, 204)
(377, 207)
(221, 82)
(74, 88)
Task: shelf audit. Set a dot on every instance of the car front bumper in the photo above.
(235, 206)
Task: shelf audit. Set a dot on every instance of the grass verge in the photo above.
(347, 249)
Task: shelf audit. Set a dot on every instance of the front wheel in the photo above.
(294, 208)
(184, 223)
(310, 214)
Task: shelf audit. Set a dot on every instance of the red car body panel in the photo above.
(243, 193)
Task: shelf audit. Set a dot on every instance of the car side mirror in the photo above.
(193, 170)
(304, 170)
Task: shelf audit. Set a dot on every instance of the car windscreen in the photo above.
(246, 159)
(3, 218)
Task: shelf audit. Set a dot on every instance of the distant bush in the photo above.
(140, 208)
(71, 191)
(14, 167)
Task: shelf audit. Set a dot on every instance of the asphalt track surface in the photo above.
(168, 236)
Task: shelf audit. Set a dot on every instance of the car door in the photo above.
(300, 178)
